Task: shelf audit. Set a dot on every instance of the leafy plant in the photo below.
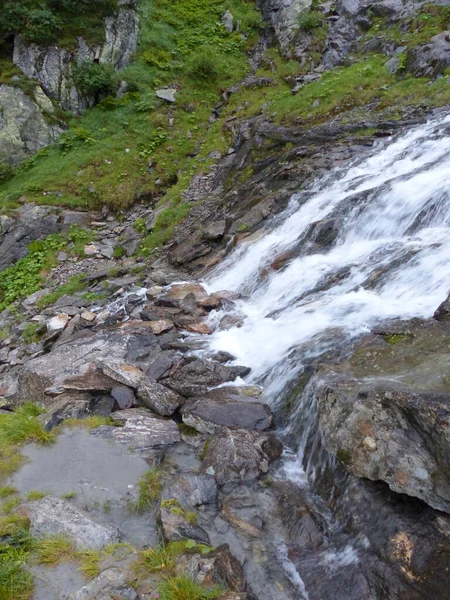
(94, 79)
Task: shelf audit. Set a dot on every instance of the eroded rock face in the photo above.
(240, 454)
(429, 60)
(53, 516)
(52, 66)
(24, 128)
(283, 16)
(385, 412)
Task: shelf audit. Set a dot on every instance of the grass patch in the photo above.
(149, 486)
(89, 422)
(35, 495)
(6, 491)
(54, 550)
(16, 583)
(182, 587)
(69, 495)
(90, 560)
(75, 284)
(10, 504)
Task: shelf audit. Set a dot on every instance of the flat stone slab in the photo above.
(53, 516)
(141, 432)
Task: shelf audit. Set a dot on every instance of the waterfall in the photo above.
(390, 258)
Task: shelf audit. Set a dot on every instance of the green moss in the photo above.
(186, 430)
(395, 338)
(344, 456)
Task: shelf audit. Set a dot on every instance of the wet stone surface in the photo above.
(103, 475)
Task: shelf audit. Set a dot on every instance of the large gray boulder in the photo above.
(52, 66)
(218, 409)
(385, 412)
(53, 516)
(24, 128)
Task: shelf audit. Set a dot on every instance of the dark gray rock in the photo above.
(442, 312)
(124, 396)
(429, 60)
(209, 412)
(158, 397)
(195, 377)
(66, 406)
(240, 455)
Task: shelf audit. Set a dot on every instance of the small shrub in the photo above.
(94, 79)
(204, 64)
(311, 20)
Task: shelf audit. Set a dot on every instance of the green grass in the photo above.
(149, 486)
(16, 583)
(19, 428)
(7, 490)
(75, 284)
(103, 158)
(54, 550)
(91, 422)
(10, 504)
(182, 587)
(35, 495)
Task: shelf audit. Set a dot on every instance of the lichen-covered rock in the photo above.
(240, 455)
(53, 516)
(24, 128)
(158, 397)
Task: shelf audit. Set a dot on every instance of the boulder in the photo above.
(442, 312)
(141, 432)
(158, 397)
(124, 396)
(94, 381)
(430, 60)
(53, 516)
(213, 410)
(179, 291)
(194, 378)
(57, 323)
(385, 412)
(235, 455)
(110, 584)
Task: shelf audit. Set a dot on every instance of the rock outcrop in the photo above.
(385, 413)
(52, 66)
(24, 123)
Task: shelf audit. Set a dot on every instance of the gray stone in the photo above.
(23, 127)
(142, 432)
(157, 397)
(110, 584)
(123, 373)
(66, 406)
(429, 60)
(53, 516)
(227, 21)
(167, 94)
(210, 412)
(123, 395)
(197, 376)
(240, 455)
(57, 323)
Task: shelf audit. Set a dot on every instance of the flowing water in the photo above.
(389, 259)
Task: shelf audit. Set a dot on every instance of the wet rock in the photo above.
(195, 377)
(58, 323)
(429, 60)
(126, 374)
(385, 412)
(201, 328)
(442, 313)
(66, 406)
(53, 516)
(219, 567)
(179, 291)
(160, 366)
(230, 321)
(141, 432)
(158, 397)
(240, 455)
(109, 585)
(180, 499)
(210, 412)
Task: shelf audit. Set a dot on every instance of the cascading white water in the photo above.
(399, 223)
